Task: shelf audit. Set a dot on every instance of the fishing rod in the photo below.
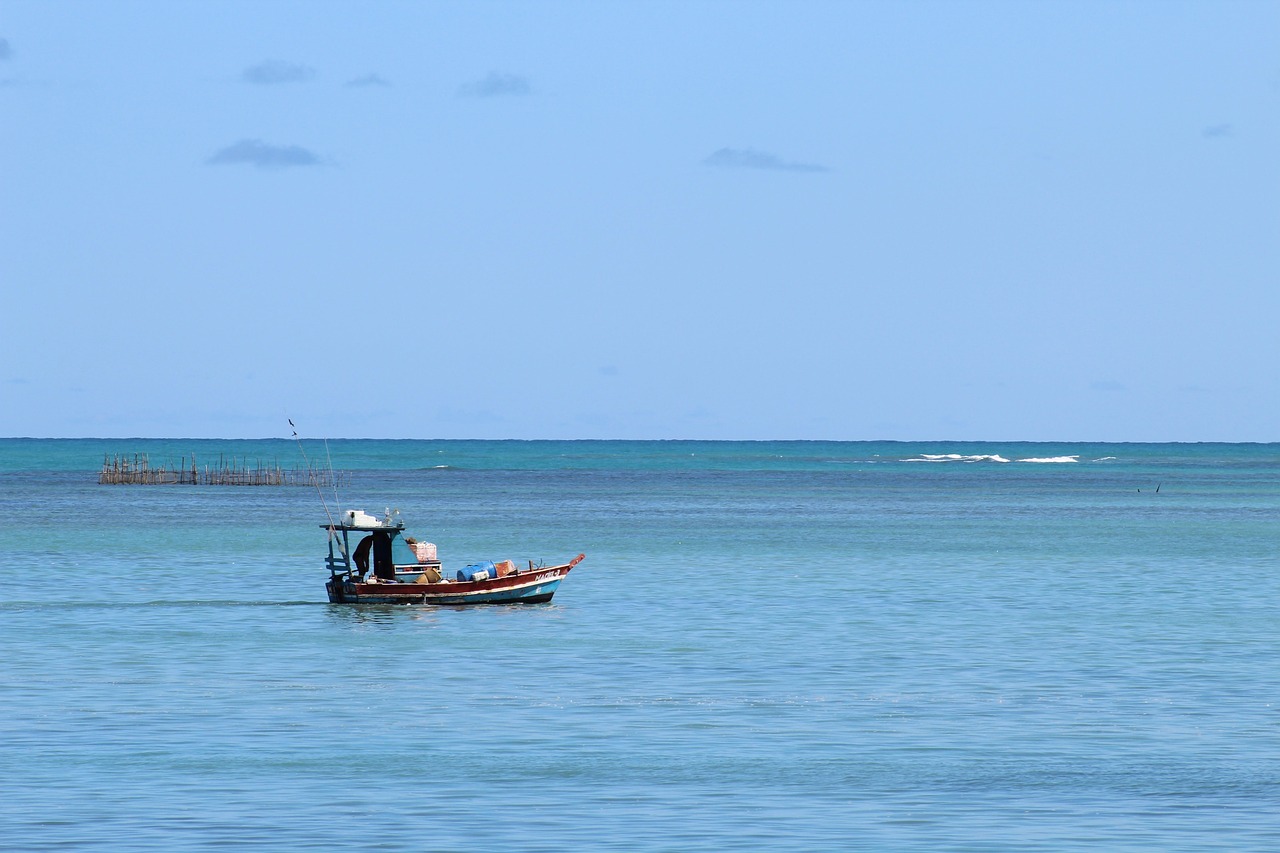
(314, 480)
(333, 478)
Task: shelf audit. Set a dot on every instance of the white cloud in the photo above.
(367, 81)
(749, 158)
(255, 152)
(497, 85)
(273, 72)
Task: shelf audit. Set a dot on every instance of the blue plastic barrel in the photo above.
(469, 572)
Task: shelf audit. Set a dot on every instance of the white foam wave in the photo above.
(1051, 460)
(956, 457)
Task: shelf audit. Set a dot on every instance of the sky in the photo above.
(1054, 221)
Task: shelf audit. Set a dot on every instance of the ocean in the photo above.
(770, 646)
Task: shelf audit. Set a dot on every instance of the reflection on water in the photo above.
(377, 614)
(395, 614)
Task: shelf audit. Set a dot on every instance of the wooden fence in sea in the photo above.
(137, 470)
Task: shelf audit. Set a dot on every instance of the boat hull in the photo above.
(535, 586)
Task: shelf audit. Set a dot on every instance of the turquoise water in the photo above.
(770, 646)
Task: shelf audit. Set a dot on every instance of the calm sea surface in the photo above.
(792, 645)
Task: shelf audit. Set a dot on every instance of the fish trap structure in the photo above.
(137, 470)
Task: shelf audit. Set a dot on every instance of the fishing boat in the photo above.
(371, 561)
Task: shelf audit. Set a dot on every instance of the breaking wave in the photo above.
(989, 457)
(955, 457)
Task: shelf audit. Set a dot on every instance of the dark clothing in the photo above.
(383, 566)
(361, 554)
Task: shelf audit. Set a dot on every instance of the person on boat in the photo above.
(383, 567)
(380, 544)
(361, 555)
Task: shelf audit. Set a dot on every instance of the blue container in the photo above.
(469, 572)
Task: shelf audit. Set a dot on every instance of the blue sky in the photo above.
(854, 220)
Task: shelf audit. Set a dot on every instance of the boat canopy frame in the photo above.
(339, 559)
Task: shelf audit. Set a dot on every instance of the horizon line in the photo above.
(690, 440)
